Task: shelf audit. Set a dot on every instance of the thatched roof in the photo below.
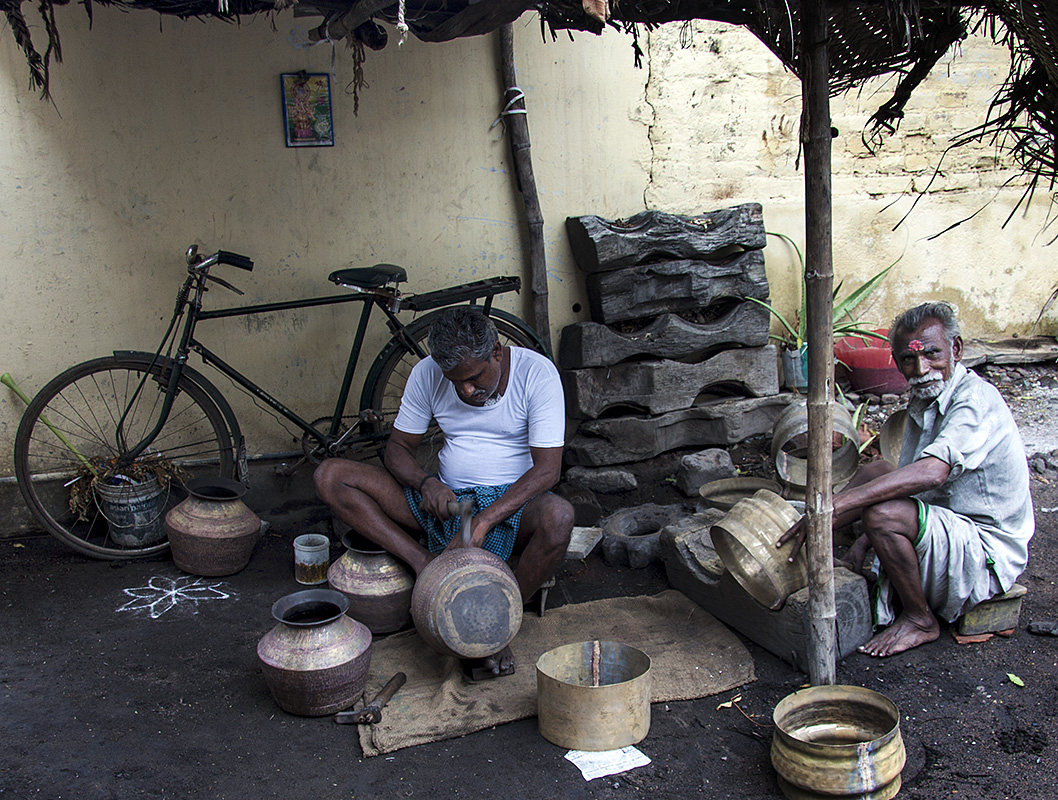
(868, 38)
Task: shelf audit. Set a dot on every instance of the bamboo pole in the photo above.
(816, 137)
(518, 126)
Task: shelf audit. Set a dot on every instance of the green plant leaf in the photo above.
(1014, 679)
(859, 295)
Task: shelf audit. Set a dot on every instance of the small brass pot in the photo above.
(837, 742)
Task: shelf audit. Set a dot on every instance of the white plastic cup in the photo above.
(312, 553)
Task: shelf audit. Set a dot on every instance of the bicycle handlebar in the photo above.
(194, 262)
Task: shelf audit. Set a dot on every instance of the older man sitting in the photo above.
(951, 525)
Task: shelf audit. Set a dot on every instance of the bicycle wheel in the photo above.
(389, 374)
(74, 419)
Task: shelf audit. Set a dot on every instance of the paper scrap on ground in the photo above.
(608, 762)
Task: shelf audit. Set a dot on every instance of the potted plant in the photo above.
(793, 338)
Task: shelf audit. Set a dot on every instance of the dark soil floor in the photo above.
(126, 680)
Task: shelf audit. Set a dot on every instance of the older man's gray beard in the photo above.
(928, 386)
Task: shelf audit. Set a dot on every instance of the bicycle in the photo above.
(134, 407)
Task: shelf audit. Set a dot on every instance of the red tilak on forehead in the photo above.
(916, 345)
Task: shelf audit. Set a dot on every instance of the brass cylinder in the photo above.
(593, 695)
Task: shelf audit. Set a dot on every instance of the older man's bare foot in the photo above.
(494, 666)
(902, 635)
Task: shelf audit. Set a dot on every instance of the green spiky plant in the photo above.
(844, 323)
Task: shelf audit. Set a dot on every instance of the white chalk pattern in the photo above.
(162, 593)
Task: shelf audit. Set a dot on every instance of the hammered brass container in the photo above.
(593, 695)
(837, 742)
(791, 461)
(212, 532)
(315, 660)
(377, 585)
(745, 541)
(466, 603)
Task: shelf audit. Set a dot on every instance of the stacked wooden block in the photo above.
(676, 355)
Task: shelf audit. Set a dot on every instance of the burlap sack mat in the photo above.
(692, 655)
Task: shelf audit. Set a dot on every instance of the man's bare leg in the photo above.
(891, 528)
(371, 502)
(543, 537)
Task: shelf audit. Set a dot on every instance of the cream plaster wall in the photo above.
(161, 136)
(165, 134)
(726, 125)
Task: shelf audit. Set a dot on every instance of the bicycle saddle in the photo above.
(369, 277)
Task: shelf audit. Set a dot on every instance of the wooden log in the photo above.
(589, 344)
(675, 286)
(620, 440)
(662, 386)
(599, 244)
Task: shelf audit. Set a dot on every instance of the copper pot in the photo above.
(212, 532)
(377, 585)
(466, 602)
(315, 660)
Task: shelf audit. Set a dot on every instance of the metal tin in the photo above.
(745, 541)
(593, 695)
(837, 742)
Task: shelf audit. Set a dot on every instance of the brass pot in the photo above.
(212, 532)
(837, 741)
(315, 660)
(377, 585)
(745, 541)
(466, 602)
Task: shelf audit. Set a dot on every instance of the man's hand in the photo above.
(435, 498)
(797, 534)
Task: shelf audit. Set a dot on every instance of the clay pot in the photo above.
(377, 585)
(212, 532)
(837, 741)
(315, 660)
(745, 541)
(466, 602)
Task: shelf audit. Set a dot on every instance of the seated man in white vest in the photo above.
(502, 412)
(951, 525)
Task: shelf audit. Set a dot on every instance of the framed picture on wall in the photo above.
(307, 117)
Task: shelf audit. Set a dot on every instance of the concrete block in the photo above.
(694, 568)
(1001, 613)
(605, 480)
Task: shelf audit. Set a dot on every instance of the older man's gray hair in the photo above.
(460, 333)
(914, 318)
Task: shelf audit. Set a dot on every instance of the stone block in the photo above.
(604, 480)
(622, 440)
(703, 467)
(662, 386)
(589, 344)
(675, 286)
(1001, 613)
(694, 568)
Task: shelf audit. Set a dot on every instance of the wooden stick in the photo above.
(819, 282)
(518, 126)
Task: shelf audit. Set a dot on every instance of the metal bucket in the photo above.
(791, 462)
(134, 511)
(745, 541)
(837, 741)
(593, 695)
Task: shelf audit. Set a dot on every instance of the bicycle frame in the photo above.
(388, 300)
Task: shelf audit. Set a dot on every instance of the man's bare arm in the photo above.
(400, 460)
(542, 476)
(918, 476)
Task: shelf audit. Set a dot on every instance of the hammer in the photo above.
(370, 714)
